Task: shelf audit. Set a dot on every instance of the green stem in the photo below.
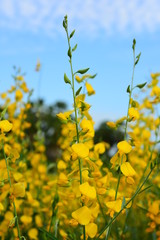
(76, 118)
(132, 198)
(9, 179)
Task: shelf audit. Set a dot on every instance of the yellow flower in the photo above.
(61, 165)
(5, 126)
(87, 190)
(26, 219)
(111, 124)
(114, 205)
(33, 233)
(18, 95)
(124, 147)
(82, 215)
(133, 113)
(80, 149)
(90, 89)
(18, 189)
(20, 78)
(38, 66)
(91, 230)
(127, 169)
(100, 147)
(87, 127)
(64, 116)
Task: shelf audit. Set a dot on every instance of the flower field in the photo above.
(88, 196)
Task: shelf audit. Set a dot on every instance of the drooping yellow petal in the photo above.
(82, 215)
(81, 150)
(124, 147)
(91, 230)
(111, 124)
(90, 89)
(127, 169)
(5, 126)
(87, 190)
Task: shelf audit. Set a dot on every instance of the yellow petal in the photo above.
(91, 230)
(127, 169)
(87, 190)
(114, 205)
(81, 150)
(124, 147)
(90, 89)
(82, 215)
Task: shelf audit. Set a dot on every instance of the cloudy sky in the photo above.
(32, 29)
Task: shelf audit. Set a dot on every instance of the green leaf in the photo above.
(74, 48)
(141, 85)
(138, 57)
(3, 112)
(78, 91)
(69, 53)
(66, 79)
(123, 203)
(48, 234)
(82, 71)
(128, 89)
(72, 33)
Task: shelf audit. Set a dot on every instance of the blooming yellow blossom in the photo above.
(81, 150)
(18, 189)
(82, 215)
(87, 190)
(33, 234)
(133, 113)
(124, 147)
(18, 95)
(5, 126)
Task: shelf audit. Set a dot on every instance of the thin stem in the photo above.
(76, 118)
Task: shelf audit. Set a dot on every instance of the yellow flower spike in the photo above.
(82, 215)
(133, 113)
(80, 149)
(33, 233)
(111, 124)
(90, 89)
(91, 230)
(18, 95)
(18, 189)
(5, 126)
(87, 190)
(127, 169)
(124, 147)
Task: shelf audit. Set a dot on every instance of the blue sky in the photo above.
(32, 29)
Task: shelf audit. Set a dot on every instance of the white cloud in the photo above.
(90, 16)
